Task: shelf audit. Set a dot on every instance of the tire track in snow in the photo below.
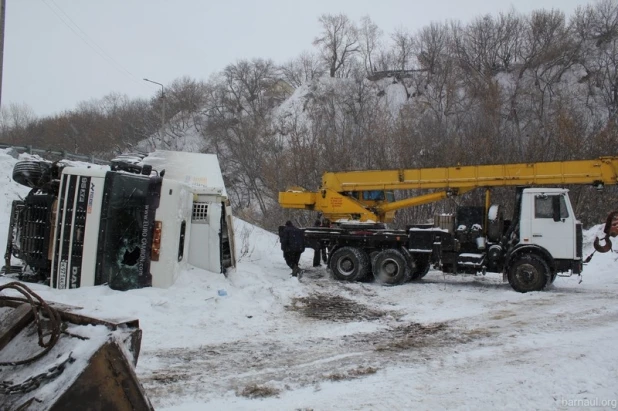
(211, 371)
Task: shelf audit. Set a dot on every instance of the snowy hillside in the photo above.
(272, 341)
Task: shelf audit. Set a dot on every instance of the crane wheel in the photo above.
(529, 272)
(391, 268)
(350, 264)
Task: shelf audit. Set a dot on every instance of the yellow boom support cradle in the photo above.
(356, 195)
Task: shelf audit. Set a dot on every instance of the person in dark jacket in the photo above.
(292, 245)
(318, 251)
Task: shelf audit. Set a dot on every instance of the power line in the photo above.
(88, 41)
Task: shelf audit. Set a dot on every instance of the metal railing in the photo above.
(62, 153)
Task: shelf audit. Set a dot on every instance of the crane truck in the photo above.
(541, 240)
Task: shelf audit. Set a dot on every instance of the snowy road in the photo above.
(498, 349)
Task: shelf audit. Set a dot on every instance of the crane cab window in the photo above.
(379, 195)
(373, 195)
(544, 206)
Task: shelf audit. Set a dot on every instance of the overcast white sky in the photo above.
(50, 68)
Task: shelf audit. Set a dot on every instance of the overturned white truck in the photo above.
(135, 224)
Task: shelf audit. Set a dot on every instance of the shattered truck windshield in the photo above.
(125, 237)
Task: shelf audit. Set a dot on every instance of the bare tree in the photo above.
(369, 39)
(509, 29)
(604, 21)
(403, 48)
(302, 69)
(431, 46)
(185, 95)
(338, 42)
(478, 49)
(246, 83)
(545, 37)
(596, 31)
(239, 127)
(14, 120)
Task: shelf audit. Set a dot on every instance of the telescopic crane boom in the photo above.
(368, 195)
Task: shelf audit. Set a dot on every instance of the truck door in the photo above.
(204, 245)
(552, 225)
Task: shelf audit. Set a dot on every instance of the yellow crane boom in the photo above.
(356, 194)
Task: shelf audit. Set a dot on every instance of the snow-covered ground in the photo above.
(277, 342)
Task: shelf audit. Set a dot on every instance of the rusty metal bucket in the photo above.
(90, 366)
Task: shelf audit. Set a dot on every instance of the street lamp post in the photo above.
(2, 14)
(162, 103)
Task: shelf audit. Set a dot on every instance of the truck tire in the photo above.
(350, 264)
(391, 268)
(528, 272)
(422, 268)
(30, 173)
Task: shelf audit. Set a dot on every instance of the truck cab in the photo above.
(128, 226)
(548, 221)
(548, 227)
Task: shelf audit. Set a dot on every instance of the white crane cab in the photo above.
(548, 221)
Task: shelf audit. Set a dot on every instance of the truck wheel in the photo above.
(422, 268)
(391, 268)
(528, 273)
(30, 173)
(350, 264)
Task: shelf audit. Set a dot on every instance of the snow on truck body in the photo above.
(131, 226)
(212, 244)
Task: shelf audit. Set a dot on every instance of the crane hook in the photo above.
(602, 248)
(610, 230)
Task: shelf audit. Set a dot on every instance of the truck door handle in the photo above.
(537, 235)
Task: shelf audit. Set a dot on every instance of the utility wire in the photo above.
(87, 40)
(90, 39)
